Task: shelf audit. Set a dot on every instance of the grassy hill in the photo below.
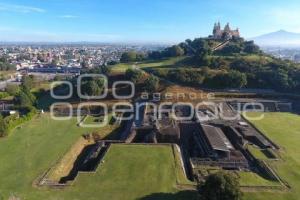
(238, 64)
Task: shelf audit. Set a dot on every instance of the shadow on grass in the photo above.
(182, 195)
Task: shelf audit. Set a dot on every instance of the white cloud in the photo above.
(68, 16)
(20, 8)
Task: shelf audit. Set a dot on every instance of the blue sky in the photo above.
(140, 20)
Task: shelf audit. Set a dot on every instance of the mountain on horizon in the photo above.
(278, 38)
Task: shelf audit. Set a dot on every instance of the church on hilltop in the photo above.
(226, 33)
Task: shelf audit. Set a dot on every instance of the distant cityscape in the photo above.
(38, 56)
(286, 53)
(53, 57)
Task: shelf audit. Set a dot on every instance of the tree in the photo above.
(155, 55)
(54, 62)
(102, 69)
(40, 57)
(28, 82)
(187, 76)
(174, 51)
(201, 47)
(113, 62)
(128, 57)
(134, 75)
(132, 56)
(151, 84)
(3, 127)
(201, 51)
(236, 79)
(140, 57)
(250, 47)
(84, 64)
(220, 186)
(25, 98)
(231, 79)
(5, 65)
(280, 79)
(232, 48)
(93, 87)
(12, 89)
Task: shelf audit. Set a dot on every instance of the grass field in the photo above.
(283, 129)
(246, 179)
(258, 153)
(122, 67)
(129, 172)
(253, 179)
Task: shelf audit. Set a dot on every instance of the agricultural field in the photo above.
(284, 130)
(35, 146)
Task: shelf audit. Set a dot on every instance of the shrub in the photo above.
(220, 186)
(8, 123)
(151, 84)
(134, 75)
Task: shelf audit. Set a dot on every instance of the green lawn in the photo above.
(129, 172)
(30, 150)
(253, 179)
(258, 153)
(121, 68)
(246, 179)
(283, 129)
(171, 62)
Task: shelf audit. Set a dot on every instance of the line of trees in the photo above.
(8, 123)
(205, 77)
(23, 95)
(24, 104)
(5, 65)
(132, 56)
